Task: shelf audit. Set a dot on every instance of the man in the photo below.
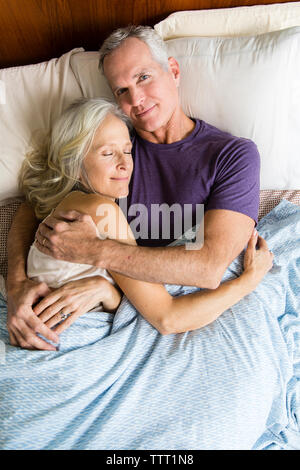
(176, 160)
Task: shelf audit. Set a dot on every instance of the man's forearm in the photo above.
(172, 265)
(20, 237)
(226, 234)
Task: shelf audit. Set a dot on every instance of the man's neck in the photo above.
(178, 128)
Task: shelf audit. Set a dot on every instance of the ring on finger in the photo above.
(63, 315)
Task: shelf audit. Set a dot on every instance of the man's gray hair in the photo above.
(145, 33)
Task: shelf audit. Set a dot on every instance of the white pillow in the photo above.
(31, 98)
(239, 21)
(250, 87)
(37, 94)
(92, 82)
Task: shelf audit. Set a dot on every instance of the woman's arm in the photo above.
(192, 311)
(166, 313)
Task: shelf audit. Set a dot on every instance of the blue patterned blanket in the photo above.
(116, 383)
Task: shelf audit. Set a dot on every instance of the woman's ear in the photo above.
(80, 177)
(174, 69)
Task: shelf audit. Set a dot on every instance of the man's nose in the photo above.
(136, 97)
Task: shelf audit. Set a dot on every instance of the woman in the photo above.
(86, 166)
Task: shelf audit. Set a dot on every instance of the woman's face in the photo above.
(108, 163)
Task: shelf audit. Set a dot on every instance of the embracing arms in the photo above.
(188, 312)
(172, 265)
(166, 313)
(226, 234)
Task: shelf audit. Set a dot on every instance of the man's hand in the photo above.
(22, 323)
(70, 236)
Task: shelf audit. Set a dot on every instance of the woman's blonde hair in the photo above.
(49, 173)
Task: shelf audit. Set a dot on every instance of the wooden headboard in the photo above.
(32, 31)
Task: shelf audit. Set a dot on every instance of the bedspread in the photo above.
(116, 383)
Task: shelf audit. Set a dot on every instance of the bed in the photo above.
(234, 384)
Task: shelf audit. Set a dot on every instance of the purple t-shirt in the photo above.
(209, 167)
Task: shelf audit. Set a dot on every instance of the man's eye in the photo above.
(144, 77)
(120, 91)
(107, 154)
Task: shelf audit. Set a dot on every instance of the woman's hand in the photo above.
(258, 260)
(74, 299)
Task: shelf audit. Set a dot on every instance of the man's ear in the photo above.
(174, 69)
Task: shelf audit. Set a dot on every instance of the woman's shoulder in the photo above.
(92, 204)
(85, 202)
(106, 214)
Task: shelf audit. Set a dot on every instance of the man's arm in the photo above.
(226, 233)
(22, 323)
(20, 237)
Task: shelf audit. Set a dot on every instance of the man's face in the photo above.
(145, 92)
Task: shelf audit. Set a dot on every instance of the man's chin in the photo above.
(149, 127)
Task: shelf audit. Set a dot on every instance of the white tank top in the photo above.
(55, 273)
